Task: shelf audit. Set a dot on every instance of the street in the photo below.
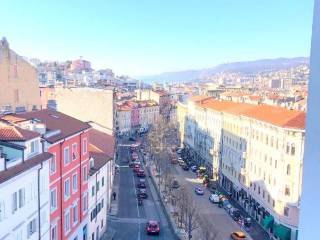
(130, 220)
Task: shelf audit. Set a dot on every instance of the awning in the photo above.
(267, 222)
(282, 232)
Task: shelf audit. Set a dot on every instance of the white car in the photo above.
(214, 198)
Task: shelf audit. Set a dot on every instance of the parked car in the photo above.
(142, 193)
(175, 183)
(174, 160)
(214, 198)
(181, 162)
(141, 173)
(137, 162)
(134, 156)
(194, 168)
(235, 214)
(199, 191)
(133, 139)
(136, 167)
(141, 185)
(238, 235)
(185, 167)
(131, 164)
(153, 227)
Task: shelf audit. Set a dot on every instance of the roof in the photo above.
(101, 142)
(13, 133)
(277, 116)
(53, 120)
(198, 98)
(22, 167)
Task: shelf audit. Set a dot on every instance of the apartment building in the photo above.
(24, 178)
(134, 114)
(67, 139)
(100, 181)
(19, 79)
(258, 151)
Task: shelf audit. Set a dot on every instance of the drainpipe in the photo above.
(39, 205)
(80, 157)
(61, 193)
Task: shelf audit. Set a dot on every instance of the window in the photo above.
(85, 173)
(102, 181)
(85, 202)
(74, 151)
(84, 146)
(75, 213)
(31, 227)
(288, 169)
(2, 210)
(286, 211)
(293, 149)
(74, 183)
(288, 148)
(67, 222)
(21, 197)
(53, 166)
(53, 199)
(92, 191)
(66, 155)
(14, 202)
(287, 191)
(275, 163)
(67, 189)
(34, 146)
(98, 186)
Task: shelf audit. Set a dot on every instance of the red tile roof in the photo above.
(278, 116)
(13, 133)
(101, 143)
(53, 120)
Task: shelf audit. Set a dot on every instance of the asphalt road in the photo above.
(130, 221)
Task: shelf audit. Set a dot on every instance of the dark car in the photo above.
(133, 139)
(199, 191)
(235, 214)
(141, 185)
(175, 183)
(185, 167)
(141, 173)
(142, 193)
(153, 227)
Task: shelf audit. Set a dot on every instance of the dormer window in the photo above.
(34, 146)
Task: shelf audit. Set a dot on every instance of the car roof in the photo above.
(240, 234)
(153, 222)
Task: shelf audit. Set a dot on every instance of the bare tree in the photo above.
(208, 231)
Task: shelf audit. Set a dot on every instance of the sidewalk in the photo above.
(114, 203)
(256, 231)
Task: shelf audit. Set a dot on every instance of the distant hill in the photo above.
(263, 65)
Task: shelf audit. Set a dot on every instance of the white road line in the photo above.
(138, 211)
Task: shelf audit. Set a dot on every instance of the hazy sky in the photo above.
(139, 37)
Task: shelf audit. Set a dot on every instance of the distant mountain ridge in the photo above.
(247, 67)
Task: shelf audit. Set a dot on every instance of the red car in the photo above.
(153, 227)
(140, 173)
(134, 156)
(136, 167)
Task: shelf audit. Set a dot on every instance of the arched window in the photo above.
(293, 149)
(288, 169)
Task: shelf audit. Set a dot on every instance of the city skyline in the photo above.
(150, 38)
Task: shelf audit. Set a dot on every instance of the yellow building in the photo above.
(19, 90)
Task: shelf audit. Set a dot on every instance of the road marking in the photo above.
(139, 234)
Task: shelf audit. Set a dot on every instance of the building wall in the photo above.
(87, 104)
(262, 159)
(66, 172)
(19, 79)
(99, 201)
(14, 225)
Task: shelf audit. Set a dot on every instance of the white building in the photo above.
(100, 182)
(258, 150)
(24, 185)
(123, 119)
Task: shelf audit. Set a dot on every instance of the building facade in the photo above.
(256, 152)
(24, 178)
(19, 79)
(67, 139)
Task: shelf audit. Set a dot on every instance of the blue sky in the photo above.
(140, 37)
